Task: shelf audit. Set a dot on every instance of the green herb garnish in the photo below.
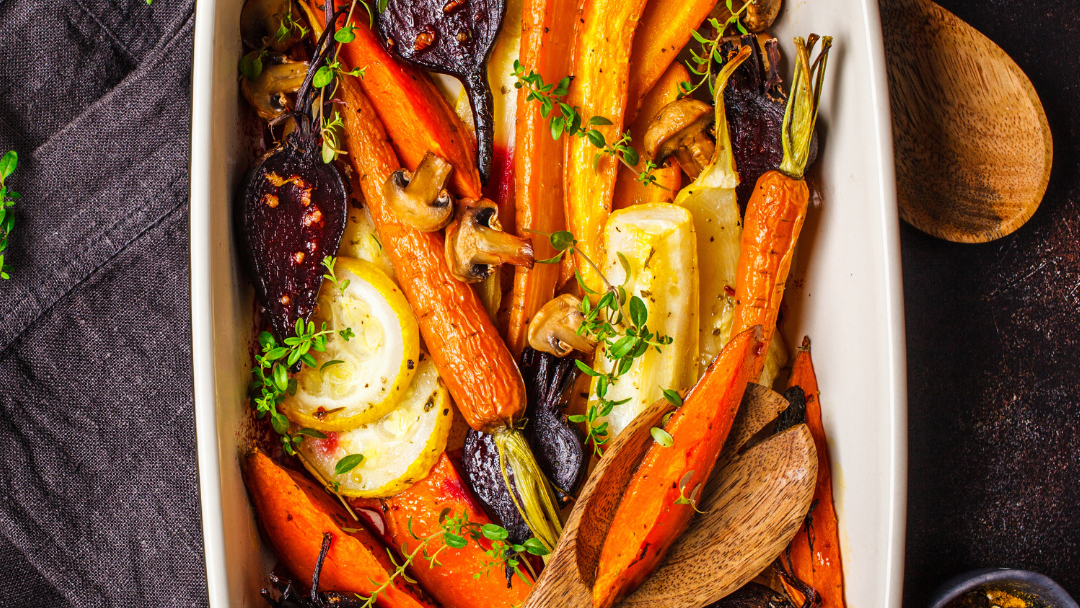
(456, 533)
(7, 207)
(271, 382)
(568, 121)
(624, 336)
(702, 64)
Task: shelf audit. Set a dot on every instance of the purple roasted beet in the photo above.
(559, 447)
(755, 102)
(291, 211)
(453, 37)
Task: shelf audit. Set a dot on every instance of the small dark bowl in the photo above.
(1041, 590)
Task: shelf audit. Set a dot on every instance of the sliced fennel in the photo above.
(712, 201)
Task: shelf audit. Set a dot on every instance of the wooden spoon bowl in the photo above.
(752, 508)
(973, 147)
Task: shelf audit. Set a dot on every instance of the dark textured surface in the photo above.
(993, 366)
(98, 495)
(98, 489)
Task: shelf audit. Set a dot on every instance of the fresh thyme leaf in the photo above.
(311, 433)
(455, 541)
(323, 77)
(348, 463)
(494, 532)
(702, 64)
(535, 547)
(673, 397)
(662, 437)
(569, 122)
(330, 363)
(8, 197)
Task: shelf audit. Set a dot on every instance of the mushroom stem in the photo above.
(696, 154)
(419, 198)
(429, 178)
(497, 247)
(476, 243)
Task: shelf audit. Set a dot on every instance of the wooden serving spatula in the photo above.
(973, 147)
(752, 508)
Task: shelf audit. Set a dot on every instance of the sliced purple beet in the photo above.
(290, 214)
(559, 446)
(452, 37)
(755, 102)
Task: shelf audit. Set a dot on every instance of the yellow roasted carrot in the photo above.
(546, 39)
(601, 68)
(664, 30)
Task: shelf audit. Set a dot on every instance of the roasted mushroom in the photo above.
(279, 76)
(270, 23)
(476, 243)
(680, 129)
(554, 328)
(758, 17)
(419, 198)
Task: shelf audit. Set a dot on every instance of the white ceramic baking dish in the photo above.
(847, 296)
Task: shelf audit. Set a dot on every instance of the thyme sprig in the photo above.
(456, 532)
(568, 121)
(271, 382)
(702, 64)
(7, 204)
(624, 336)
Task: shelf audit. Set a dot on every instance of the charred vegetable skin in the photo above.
(559, 447)
(453, 37)
(755, 102)
(290, 214)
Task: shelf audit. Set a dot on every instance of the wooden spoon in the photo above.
(973, 147)
(753, 507)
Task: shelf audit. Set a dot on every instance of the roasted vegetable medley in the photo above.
(519, 267)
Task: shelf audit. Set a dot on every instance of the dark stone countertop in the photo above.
(993, 366)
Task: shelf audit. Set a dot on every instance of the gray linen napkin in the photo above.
(98, 486)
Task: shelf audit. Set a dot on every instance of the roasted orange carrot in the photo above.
(546, 38)
(416, 512)
(295, 513)
(662, 494)
(601, 68)
(414, 113)
(472, 358)
(815, 550)
(628, 190)
(664, 30)
(777, 208)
